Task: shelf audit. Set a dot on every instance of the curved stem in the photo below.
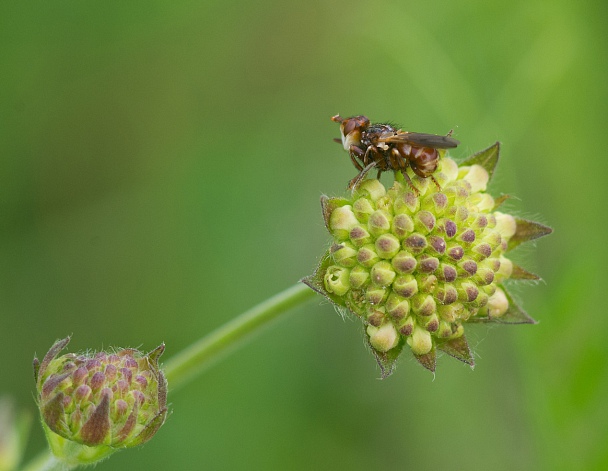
(197, 357)
(192, 361)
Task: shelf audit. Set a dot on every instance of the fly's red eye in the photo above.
(349, 125)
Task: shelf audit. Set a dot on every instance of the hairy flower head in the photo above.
(94, 404)
(417, 264)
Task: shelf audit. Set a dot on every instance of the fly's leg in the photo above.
(408, 180)
(355, 152)
(435, 182)
(355, 182)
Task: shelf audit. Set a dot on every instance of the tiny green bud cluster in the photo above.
(417, 263)
(103, 401)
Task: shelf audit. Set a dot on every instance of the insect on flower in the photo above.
(382, 146)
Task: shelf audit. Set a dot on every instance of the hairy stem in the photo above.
(200, 355)
(196, 358)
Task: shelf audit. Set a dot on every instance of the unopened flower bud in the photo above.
(387, 246)
(102, 402)
(498, 304)
(383, 338)
(477, 176)
(405, 285)
(342, 220)
(359, 236)
(367, 256)
(362, 208)
(397, 306)
(420, 341)
(371, 189)
(382, 273)
(379, 223)
(404, 262)
(505, 224)
(344, 254)
(358, 277)
(424, 305)
(402, 225)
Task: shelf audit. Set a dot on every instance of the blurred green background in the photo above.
(161, 168)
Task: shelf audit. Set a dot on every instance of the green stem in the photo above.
(196, 358)
(200, 355)
(45, 461)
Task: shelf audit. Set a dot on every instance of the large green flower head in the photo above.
(95, 404)
(418, 263)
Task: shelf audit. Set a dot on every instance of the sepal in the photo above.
(487, 158)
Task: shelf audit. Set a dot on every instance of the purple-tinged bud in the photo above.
(363, 209)
(404, 262)
(484, 276)
(467, 268)
(454, 251)
(435, 203)
(379, 223)
(449, 227)
(358, 278)
(89, 410)
(424, 305)
(403, 225)
(359, 236)
(478, 221)
(431, 323)
(382, 274)
(458, 214)
(481, 251)
(387, 246)
(367, 256)
(405, 286)
(375, 318)
(447, 272)
(427, 264)
(375, 295)
(427, 283)
(467, 236)
(406, 203)
(446, 294)
(415, 243)
(437, 245)
(481, 300)
(467, 292)
(406, 326)
(344, 254)
(397, 306)
(424, 222)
